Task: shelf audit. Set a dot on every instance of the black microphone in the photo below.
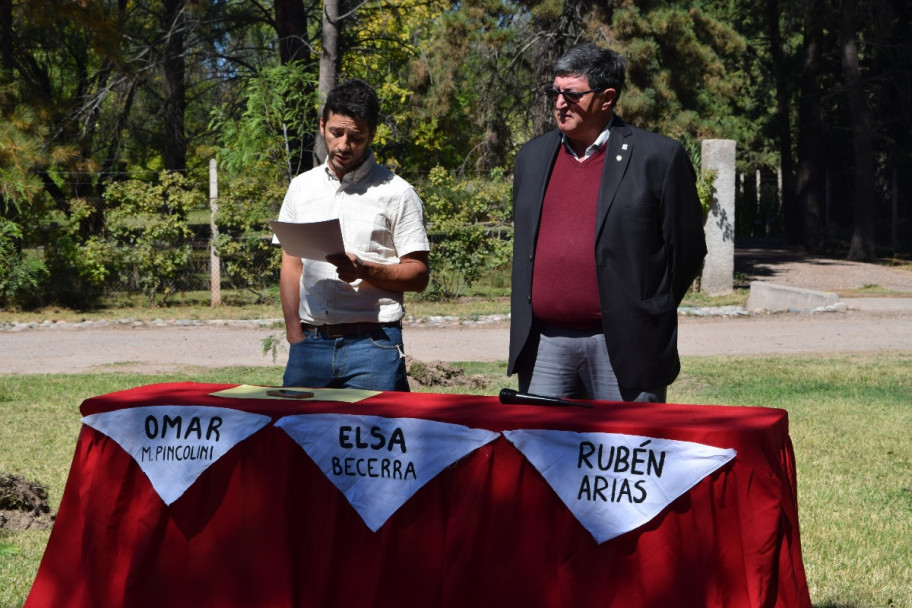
(509, 396)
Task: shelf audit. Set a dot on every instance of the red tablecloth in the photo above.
(265, 527)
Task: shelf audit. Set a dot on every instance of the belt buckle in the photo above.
(330, 331)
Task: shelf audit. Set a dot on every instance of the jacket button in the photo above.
(529, 299)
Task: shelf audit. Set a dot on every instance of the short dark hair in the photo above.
(353, 98)
(603, 68)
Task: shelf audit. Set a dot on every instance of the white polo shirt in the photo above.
(382, 219)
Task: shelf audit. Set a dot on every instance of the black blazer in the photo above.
(649, 247)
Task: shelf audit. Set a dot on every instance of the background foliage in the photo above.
(818, 96)
(470, 229)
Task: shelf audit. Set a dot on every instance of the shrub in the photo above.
(20, 274)
(244, 243)
(468, 222)
(148, 223)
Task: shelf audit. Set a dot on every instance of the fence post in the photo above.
(215, 264)
(719, 267)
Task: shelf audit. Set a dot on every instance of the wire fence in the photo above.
(255, 273)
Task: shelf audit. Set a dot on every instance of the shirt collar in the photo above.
(594, 147)
(353, 176)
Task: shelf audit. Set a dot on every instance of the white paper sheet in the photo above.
(312, 240)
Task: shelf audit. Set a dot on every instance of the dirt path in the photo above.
(869, 325)
(173, 348)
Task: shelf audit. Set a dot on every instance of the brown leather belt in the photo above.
(341, 330)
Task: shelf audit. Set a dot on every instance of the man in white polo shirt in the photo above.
(343, 315)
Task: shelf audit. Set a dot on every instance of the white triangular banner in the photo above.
(174, 444)
(379, 463)
(614, 483)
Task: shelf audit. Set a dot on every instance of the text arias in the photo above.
(617, 473)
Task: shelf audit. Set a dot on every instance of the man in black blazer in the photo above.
(608, 238)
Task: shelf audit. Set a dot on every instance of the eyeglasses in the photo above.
(569, 96)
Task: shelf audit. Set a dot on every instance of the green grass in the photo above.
(850, 416)
(851, 425)
(873, 291)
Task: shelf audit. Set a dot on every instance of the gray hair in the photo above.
(603, 68)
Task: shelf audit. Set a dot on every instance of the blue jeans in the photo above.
(370, 360)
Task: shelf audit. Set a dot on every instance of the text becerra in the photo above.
(372, 462)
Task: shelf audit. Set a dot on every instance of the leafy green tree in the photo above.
(244, 244)
(682, 76)
(468, 221)
(99, 91)
(470, 89)
(277, 112)
(796, 77)
(479, 79)
(20, 274)
(80, 265)
(148, 223)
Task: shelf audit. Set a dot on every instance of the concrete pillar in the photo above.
(718, 277)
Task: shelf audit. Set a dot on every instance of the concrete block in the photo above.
(778, 298)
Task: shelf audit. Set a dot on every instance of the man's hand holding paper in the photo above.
(349, 266)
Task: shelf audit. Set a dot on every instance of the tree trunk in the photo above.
(862, 247)
(329, 52)
(291, 27)
(174, 25)
(791, 216)
(6, 35)
(329, 65)
(809, 178)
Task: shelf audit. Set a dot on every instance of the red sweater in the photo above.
(564, 282)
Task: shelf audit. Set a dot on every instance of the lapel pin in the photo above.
(618, 158)
(624, 147)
